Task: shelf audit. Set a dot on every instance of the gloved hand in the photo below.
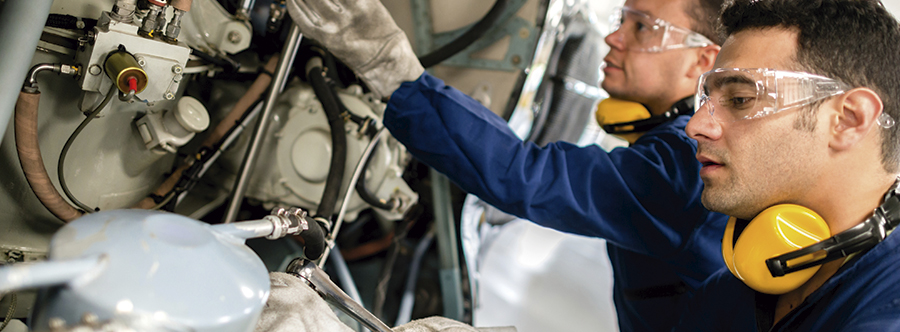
(295, 307)
(441, 324)
(362, 34)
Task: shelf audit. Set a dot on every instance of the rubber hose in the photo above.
(460, 43)
(367, 195)
(313, 240)
(338, 139)
(29, 152)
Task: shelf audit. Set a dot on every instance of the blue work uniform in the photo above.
(864, 295)
(644, 200)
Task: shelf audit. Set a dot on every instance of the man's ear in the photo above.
(706, 58)
(855, 118)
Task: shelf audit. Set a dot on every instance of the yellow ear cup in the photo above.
(728, 245)
(777, 230)
(612, 110)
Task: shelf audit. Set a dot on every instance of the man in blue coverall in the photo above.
(802, 110)
(644, 200)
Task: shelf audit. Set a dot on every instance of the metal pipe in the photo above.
(404, 314)
(245, 8)
(445, 228)
(278, 83)
(21, 24)
(357, 172)
(333, 294)
(32, 275)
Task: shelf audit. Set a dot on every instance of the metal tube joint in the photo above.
(291, 221)
(31, 84)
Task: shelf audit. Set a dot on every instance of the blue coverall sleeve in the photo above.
(644, 198)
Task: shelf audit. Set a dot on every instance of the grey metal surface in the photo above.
(445, 226)
(21, 23)
(282, 70)
(174, 271)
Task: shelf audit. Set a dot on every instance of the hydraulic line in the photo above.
(355, 177)
(332, 109)
(28, 148)
(470, 36)
(404, 314)
(279, 81)
(61, 170)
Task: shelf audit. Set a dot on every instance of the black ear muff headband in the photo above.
(684, 106)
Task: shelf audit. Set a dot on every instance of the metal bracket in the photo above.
(523, 38)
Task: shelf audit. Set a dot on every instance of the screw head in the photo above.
(234, 37)
(177, 69)
(170, 96)
(95, 70)
(141, 61)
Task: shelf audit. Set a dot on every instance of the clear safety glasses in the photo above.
(644, 33)
(733, 94)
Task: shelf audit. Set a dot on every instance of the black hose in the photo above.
(367, 195)
(60, 167)
(332, 109)
(313, 240)
(460, 43)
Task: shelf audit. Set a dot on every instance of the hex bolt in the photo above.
(234, 37)
(170, 96)
(141, 61)
(177, 69)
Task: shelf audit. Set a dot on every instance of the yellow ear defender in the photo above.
(612, 111)
(777, 230)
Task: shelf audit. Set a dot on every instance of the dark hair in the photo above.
(855, 41)
(703, 14)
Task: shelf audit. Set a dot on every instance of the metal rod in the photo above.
(445, 228)
(278, 82)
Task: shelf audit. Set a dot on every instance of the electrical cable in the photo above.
(467, 38)
(65, 150)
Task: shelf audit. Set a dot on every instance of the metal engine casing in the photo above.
(293, 163)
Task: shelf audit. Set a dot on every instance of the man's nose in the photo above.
(703, 126)
(615, 40)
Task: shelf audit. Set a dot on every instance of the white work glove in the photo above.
(441, 324)
(362, 34)
(293, 306)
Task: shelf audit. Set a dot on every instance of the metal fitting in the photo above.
(149, 25)
(123, 11)
(174, 27)
(288, 221)
(31, 86)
